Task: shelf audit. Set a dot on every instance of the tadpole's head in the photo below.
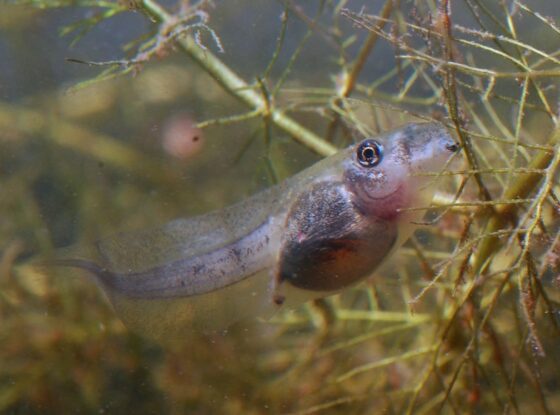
(389, 173)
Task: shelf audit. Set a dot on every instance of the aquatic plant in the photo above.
(465, 322)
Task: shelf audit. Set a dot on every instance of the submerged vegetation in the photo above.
(465, 322)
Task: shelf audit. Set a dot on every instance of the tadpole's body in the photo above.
(313, 235)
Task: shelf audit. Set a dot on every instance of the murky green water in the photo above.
(429, 335)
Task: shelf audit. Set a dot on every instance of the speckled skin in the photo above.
(317, 233)
(329, 243)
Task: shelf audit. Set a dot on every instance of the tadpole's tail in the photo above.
(74, 263)
(99, 273)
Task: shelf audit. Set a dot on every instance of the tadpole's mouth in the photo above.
(385, 196)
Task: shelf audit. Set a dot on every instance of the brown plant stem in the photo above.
(352, 78)
(519, 189)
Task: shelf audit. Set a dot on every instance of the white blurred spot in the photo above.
(181, 138)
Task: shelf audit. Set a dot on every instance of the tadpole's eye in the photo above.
(369, 153)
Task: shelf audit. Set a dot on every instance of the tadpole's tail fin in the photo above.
(39, 270)
(101, 275)
(83, 264)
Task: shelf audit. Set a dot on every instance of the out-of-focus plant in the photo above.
(466, 323)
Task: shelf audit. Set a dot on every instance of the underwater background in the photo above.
(122, 115)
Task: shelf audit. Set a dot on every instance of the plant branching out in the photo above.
(468, 321)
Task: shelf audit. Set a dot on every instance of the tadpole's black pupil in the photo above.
(368, 154)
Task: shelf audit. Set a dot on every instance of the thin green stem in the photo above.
(236, 86)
